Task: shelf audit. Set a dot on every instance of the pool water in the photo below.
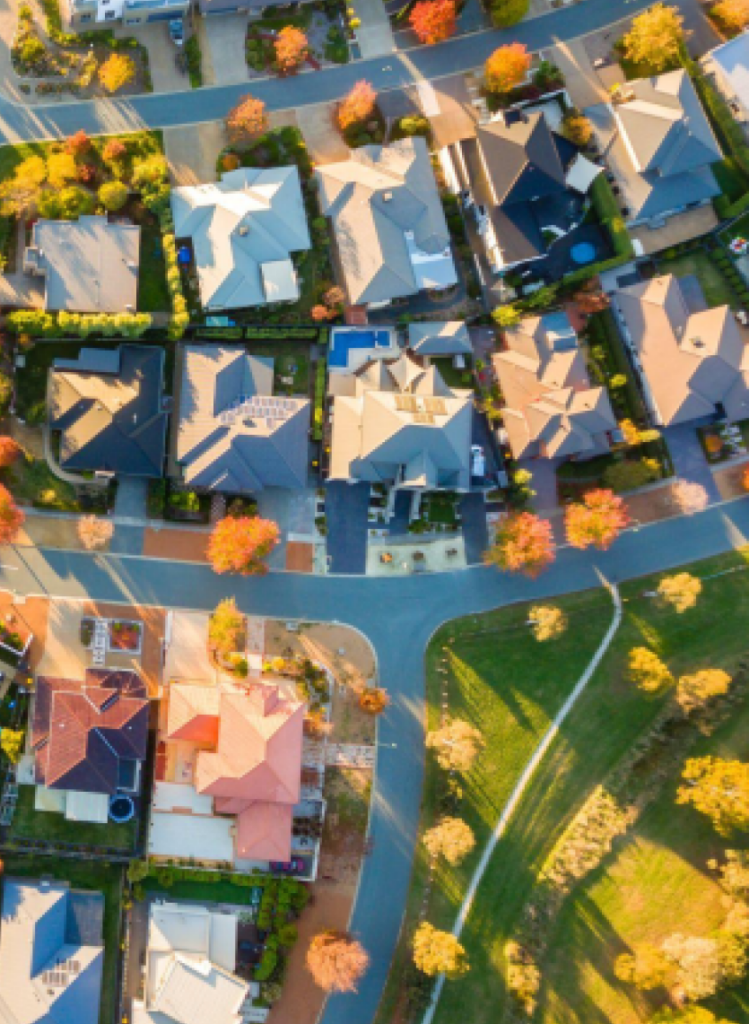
(583, 253)
(342, 342)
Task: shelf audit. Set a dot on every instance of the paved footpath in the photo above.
(399, 616)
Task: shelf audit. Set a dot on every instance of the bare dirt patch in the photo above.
(179, 545)
(729, 481)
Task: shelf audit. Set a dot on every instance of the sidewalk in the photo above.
(374, 35)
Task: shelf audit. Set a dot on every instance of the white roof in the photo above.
(582, 173)
(198, 992)
(92, 807)
(733, 60)
(171, 796)
(188, 835)
(52, 800)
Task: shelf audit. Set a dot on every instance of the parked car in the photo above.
(295, 866)
(177, 31)
(478, 462)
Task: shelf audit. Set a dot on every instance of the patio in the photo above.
(386, 558)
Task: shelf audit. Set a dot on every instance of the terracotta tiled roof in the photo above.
(264, 832)
(193, 713)
(81, 730)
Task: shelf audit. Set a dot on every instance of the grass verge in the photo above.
(31, 824)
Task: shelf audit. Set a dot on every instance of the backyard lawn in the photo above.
(202, 892)
(739, 229)
(99, 877)
(291, 360)
(31, 824)
(718, 291)
(452, 376)
(153, 296)
(32, 482)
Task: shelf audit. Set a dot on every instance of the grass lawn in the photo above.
(452, 376)
(314, 270)
(32, 482)
(202, 892)
(599, 731)
(732, 180)
(510, 686)
(31, 824)
(100, 877)
(718, 291)
(291, 360)
(739, 229)
(153, 296)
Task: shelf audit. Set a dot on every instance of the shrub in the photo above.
(116, 72)
(113, 195)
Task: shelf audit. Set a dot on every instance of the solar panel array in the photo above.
(436, 405)
(423, 417)
(273, 410)
(61, 974)
(406, 403)
(423, 409)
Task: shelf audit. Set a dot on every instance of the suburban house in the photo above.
(659, 146)
(232, 434)
(396, 422)
(191, 956)
(693, 361)
(228, 773)
(729, 64)
(439, 339)
(89, 742)
(389, 230)
(551, 408)
(108, 406)
(88, 265)
(51, 953)
(524, 184)
(84, 13)
(243, 232)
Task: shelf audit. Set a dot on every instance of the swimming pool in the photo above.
(343, 341)
(583, 253)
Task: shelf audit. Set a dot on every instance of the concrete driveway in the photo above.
(192, 152)
(161, 55)
(225, 50)
(689, 459)
(346, 507)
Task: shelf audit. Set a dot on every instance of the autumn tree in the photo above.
(733, 15)
(292, 49)
(9, 451)
(21, 191)
(374, 700)
(647, 671)
(547, 622)
(697, 960)
(689, 497)
(11, 517)
(246, 120)
(522, 543)
(456, 744)
(357, 106)
(688, 1014)
(336, 961)
(226, 628)
(576, 127)
(11, 744)
(507, 316)
(656, 37)
(718, 789)
(647, 968)
(450, 838)
(113, 195)
(320, 313)
(239, 544)
(437, 952)
(597, 520)
(433, 21)
(334, 297)
(114, 151)
(79, 144)
(94, 533)
(507, 67)
(680, 591)
(116, 72)
(695, 690)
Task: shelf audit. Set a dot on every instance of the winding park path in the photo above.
(398, 616)
(20, 123)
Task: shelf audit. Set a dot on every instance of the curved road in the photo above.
(167, 110)
(398, 616)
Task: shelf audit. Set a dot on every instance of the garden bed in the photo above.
(125, 635)
(724, 442)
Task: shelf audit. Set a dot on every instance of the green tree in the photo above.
(11, 744)
(687, 1015)
(505, 13)
(226, 628)
(576, 127)
(113, 195)
(718, 789)
(506, 316)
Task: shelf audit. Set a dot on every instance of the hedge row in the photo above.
(318, 418)
(50, 325)
(607, 209)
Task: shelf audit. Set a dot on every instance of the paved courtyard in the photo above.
(225, 49)
(192, 152)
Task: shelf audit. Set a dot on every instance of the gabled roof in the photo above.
(440, 338)
(110, 411)
(51, 953)
(551, 409)
(732, 58)
(375, 199)
(521, 158)
(82, 730)
(243, 230)
(401, 421)
(665, 126)
(218, 445)
(692, 361)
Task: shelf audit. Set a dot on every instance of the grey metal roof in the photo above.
(109, 410)
(521, 158)
(373, 199)
(219, 446)
(440, 338)
(51, 954)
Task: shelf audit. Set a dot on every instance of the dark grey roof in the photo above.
(439, 338)
(522, 159)
(109, 411)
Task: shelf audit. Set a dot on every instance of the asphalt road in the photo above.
(165, 110)
(398, 616)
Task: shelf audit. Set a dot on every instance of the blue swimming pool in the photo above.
(583, 253)
(343, 341)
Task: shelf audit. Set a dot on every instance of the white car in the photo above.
(478, 462)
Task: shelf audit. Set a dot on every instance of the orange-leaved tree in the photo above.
(292, 49)
(11, 517)
(246, 120)
(374, 700)
(116, 72)
(240, 544)
(357, 105)
(596, 521)
(9, 451)
(433, 21)
(78, 144)
(336, 961)
(507, 67)
(522, 543)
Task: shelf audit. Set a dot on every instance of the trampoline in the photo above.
(582, 253)
(121, 808)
